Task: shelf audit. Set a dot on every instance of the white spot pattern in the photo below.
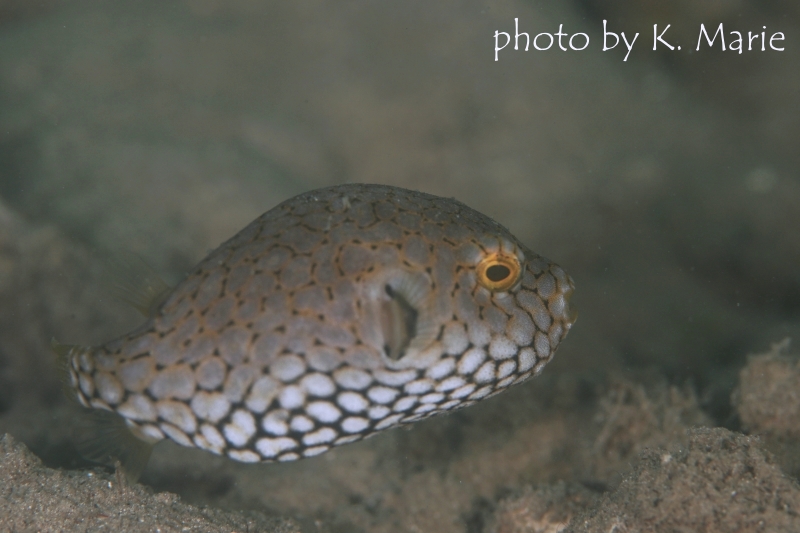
(301, 423)
(355, 424)
(382, 394)
(352, 402)
(318, 385)
(420, 386)
(211, 406)
(352, 378)
(287, 368)
(319, 437)
(441, 369)
(485, 373)
(275, 423)
(241, 428)
(292, 397)
(269, 448)
(471, 360)
(325, 412)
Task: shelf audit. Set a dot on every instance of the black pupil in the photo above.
(497, 273)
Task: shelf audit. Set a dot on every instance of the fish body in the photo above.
(339, 313)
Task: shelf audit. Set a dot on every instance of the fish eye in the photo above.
(499, 272)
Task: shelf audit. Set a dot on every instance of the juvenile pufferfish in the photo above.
(339, 313)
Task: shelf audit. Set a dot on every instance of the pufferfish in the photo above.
(338, 314)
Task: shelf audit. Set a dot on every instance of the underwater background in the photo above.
(665, 184)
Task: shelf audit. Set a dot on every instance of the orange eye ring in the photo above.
(499, 272)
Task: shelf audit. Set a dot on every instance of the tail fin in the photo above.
(99, 435)
(103, 437)
(64, 354)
